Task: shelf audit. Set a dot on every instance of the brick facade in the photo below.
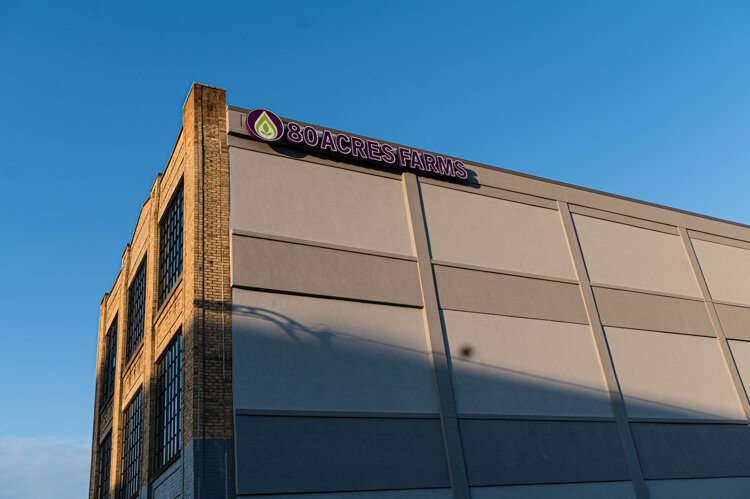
(198, 306)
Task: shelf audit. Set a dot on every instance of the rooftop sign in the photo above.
(264, 125)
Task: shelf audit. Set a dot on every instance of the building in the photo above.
(306, 313)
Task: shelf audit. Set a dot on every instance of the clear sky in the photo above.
(644, 99)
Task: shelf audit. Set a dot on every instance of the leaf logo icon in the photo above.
(264, 125)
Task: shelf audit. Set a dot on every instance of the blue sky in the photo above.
(643, 99)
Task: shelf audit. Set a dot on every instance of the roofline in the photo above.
(530, 176)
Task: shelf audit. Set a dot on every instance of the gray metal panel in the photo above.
(508, 365)
(651, 312)
(712, 238)
(724, 488)
(692, 450)
(501, 294)
(604, 490)
(735, 321)
(208, 468)
(623, 219)
(276, 265)
(378, 494)
(302, 353)
(307, 454)
(524, 452)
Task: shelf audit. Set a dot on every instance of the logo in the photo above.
(264, 125)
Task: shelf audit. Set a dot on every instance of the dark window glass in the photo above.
(136, 309)
(131, 448)
(170, 246)
(110, 359)
(105, 461)
(169, 404)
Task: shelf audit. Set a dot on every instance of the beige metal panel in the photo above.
(665, 375)
(302, 353)
(652, 312)
(741, 354)
(505, 365)
(632, 257)
(724, 488)
(282, 266)
(494, 233)
(726, 269)
(276, 195)
(735, 321)
(608, 490)
(502, 294)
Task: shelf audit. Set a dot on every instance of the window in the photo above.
(110, 359)
(170, 246)
(131, 448)
(105, 458)
(136, 310)
(169, 404)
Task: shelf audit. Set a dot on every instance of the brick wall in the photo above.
(199, 305)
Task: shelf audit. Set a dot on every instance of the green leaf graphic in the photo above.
(265, 128)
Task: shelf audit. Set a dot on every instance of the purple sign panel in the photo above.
(266, 126)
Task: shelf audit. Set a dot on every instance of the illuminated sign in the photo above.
(264, 125)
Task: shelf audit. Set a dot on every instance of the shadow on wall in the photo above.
(334, 362)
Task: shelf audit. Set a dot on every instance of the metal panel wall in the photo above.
(633, 257)
(510, 366)
(726, 269)
(280, 196)
(672, 375)
(495, 233)
(298, 353)
(521, 338)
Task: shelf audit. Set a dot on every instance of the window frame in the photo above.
(136, 326)
(131, 456)
(168, 405)
(105, 448)
(109, 366)
(171, 258)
